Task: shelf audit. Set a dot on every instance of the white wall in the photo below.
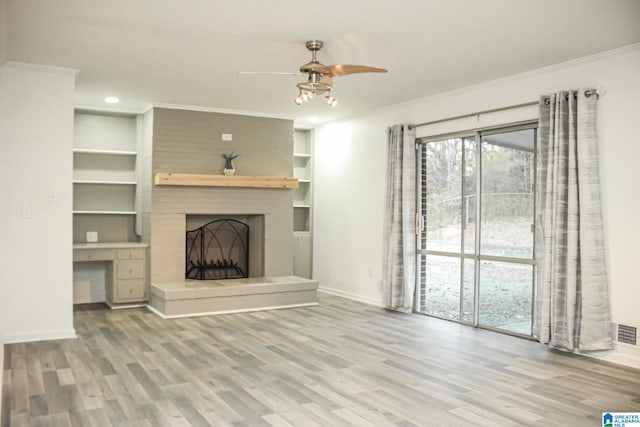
(36, 135)
(350, 165)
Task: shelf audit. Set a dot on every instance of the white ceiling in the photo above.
(189, 52)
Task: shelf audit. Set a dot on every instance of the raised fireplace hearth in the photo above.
(208, 297)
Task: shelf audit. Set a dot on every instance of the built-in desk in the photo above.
(126, 269)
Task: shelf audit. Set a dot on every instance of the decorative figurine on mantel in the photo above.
(229, 169)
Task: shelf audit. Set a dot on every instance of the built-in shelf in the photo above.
(104, 212)
(184, 179)
(101, 182)
(301, 206)
(301, 155)
(106, 152)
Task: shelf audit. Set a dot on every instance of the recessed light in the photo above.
(111, 100)
(313, 119)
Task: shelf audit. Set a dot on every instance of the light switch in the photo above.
(227, 137)
(53, 197)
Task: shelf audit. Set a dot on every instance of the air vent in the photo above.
(627, 334)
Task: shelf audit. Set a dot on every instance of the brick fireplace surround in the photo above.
(184, 141)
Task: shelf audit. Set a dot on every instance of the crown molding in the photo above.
(221, 110)
(41, 68)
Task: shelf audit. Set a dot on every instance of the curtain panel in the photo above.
(399, 263)
(572, 298)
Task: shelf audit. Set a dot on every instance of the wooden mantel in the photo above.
(194, 180)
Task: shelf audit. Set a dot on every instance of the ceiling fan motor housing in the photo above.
(314, 45)
(310, 67)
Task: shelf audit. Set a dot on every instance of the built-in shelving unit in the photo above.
(104, 164)
(302, 201)
(302, 163)
(106, 198)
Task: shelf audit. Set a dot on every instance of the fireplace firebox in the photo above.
(218, 250)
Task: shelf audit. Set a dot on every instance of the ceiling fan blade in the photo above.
(344, 70)
(327, 80)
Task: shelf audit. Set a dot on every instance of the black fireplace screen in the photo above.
(218, 250)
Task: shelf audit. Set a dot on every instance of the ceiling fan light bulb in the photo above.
(304, 96)
(311, 94)
(299, 100)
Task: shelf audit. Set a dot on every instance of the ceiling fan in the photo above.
(320, 76)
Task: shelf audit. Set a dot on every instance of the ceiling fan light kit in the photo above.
(308, 90)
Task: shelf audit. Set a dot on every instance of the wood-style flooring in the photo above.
(339, 363)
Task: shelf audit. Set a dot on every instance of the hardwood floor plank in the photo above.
(244, 404)
(275, 396)
(277, 420)
(352, 418)
(314, 414)
(61, 420)
(146, 381)
(190, 413)
(91, 396)
(19, 383)
(38, 406)
(336, 364)
(476, 417)
(115, 412)
(370, 416)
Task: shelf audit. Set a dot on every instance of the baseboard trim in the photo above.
(214, 313)
(617, 356)
(120, 306)
(351, 296)
(56, 334)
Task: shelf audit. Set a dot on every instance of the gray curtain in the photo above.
(572, 298)
(399, 263)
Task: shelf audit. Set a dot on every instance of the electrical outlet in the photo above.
(26, 211)
(92, 236)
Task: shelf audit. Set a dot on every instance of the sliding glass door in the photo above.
(447, 203)
(475, 259)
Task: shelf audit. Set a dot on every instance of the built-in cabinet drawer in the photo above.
(130, 269)
(130, 290)
(92, 254)
(135, 253)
